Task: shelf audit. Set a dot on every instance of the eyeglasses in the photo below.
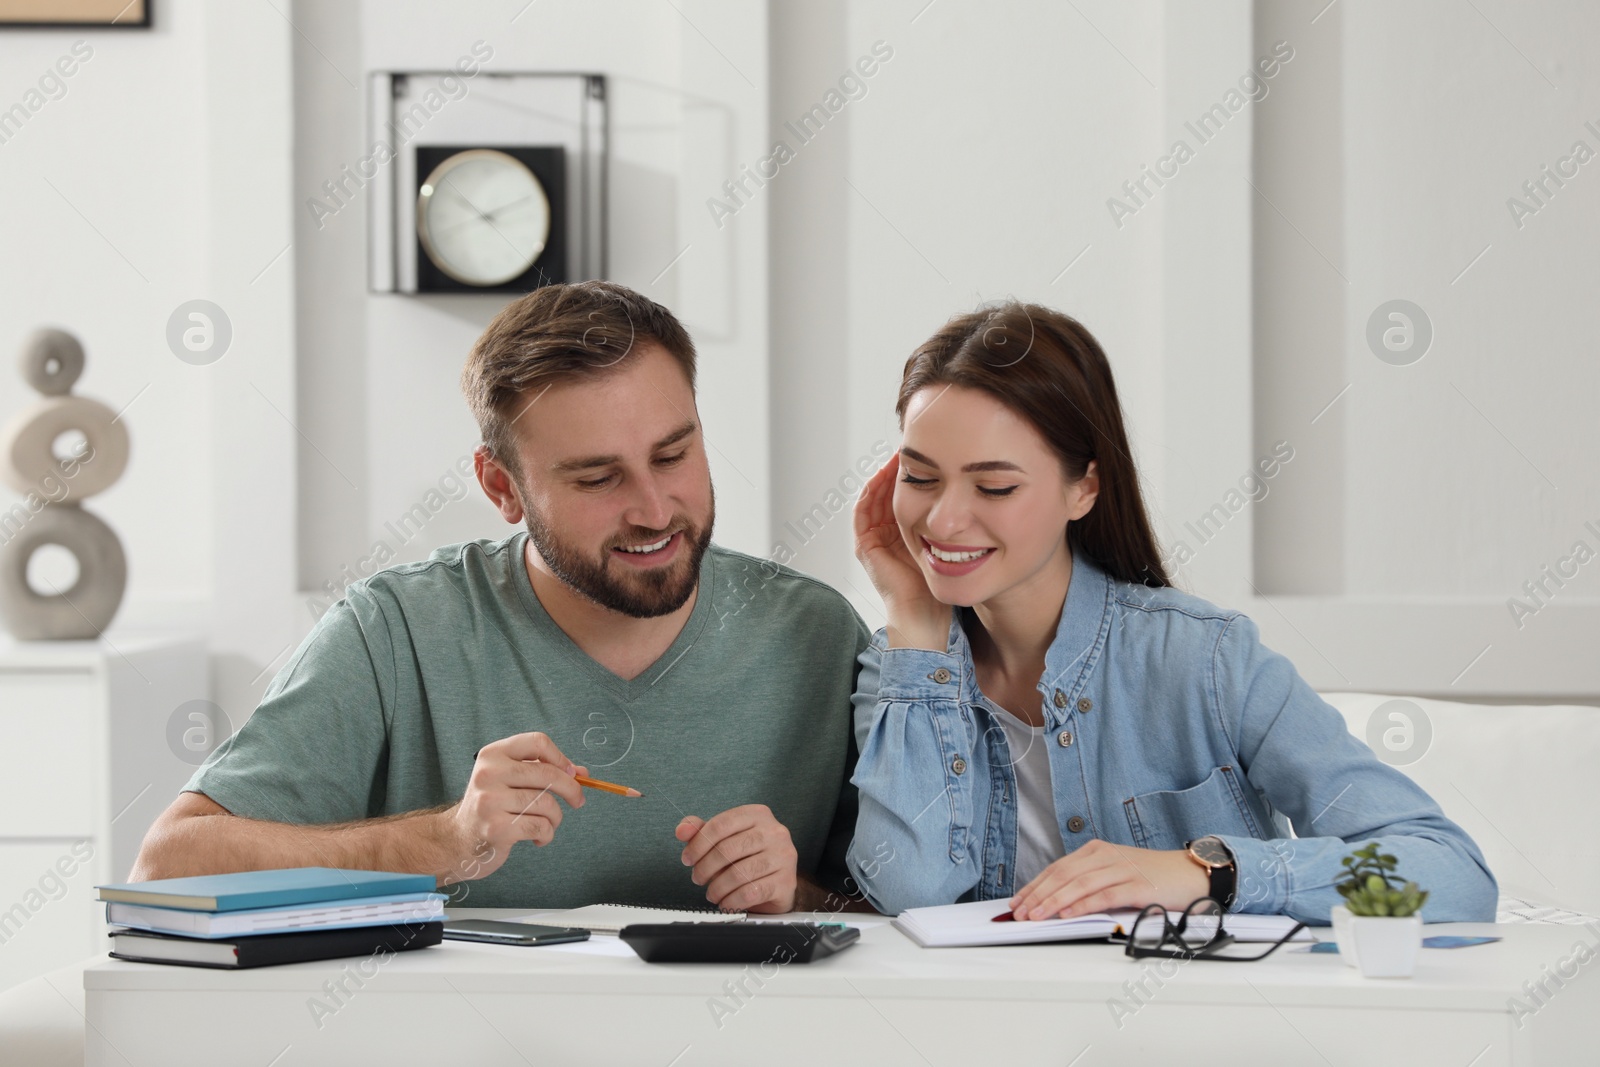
(1197, 935)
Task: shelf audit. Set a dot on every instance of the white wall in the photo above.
(1438, 489)
(158, 178)
(1299, 303)
(105, 234)
(1485, 496)
(977, 166)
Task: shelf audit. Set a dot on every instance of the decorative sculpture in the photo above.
(54, 488)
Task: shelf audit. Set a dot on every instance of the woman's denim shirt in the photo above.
(1166, 719)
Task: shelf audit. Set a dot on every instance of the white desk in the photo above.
(884, 1001)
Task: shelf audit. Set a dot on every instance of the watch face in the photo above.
(482, 217)
(1212, 850)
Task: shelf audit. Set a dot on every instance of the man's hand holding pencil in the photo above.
(511, 797)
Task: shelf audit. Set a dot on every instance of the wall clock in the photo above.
(490, 219)
(493, 182)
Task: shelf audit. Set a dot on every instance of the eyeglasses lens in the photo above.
(1203, 919)
(1149, 929)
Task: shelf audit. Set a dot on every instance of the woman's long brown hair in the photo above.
(1047, 368)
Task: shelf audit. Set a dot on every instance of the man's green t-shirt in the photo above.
(386, 702)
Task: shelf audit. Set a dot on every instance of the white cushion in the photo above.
(1519, 779)
(41, 1020)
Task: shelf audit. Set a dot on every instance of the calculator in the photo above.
(738, 942)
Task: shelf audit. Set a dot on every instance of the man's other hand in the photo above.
(744, 857)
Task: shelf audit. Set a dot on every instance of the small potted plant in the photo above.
(1378, 928)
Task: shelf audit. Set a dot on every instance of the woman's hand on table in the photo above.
(1100, 876)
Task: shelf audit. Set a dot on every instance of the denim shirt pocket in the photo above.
(1164, 820)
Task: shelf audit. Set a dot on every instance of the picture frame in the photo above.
(75, 14)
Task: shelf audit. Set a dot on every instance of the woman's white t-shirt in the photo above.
(1038, 832)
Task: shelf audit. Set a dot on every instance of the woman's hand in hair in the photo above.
(916, 619)
(1101, 875)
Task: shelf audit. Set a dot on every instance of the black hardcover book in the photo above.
(266, 950)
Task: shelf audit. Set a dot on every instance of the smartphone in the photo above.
(508, 933)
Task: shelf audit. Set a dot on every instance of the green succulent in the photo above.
(1370, 886)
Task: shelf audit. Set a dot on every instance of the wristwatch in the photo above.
(1211, 853)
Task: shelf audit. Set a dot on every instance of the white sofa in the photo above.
(1517, 778)
(1497, 770)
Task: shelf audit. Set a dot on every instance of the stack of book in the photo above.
(260, 918)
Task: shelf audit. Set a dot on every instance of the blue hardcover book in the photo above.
(265, 889)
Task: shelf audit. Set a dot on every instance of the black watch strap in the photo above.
(1224, 884)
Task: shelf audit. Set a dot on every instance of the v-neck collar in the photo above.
(626, 688)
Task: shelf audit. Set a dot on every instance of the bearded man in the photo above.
(437, 716)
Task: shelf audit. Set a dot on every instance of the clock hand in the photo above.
(463, 198)
(486, 216)
(495, 211)
(457, 225)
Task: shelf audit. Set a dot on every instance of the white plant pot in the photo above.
(1381, 946)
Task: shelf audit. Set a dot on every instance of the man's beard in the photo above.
(639, 594)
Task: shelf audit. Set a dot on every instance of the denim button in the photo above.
(1075, 824)
(1084, 703)
(941, 676)
(1064, 738)
(1061, 699)
(958, 765)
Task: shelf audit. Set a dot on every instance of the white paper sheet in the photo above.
(596, 946)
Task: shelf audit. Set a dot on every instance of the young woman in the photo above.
(1045, 719)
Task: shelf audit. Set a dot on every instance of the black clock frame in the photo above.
(548, 164)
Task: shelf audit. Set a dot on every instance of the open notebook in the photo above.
(611, 918)
(972, 923)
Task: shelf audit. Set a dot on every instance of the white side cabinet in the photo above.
(86, 765)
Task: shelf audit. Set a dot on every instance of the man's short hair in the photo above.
(556, 334)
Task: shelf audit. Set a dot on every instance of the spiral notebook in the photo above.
(611, 918)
